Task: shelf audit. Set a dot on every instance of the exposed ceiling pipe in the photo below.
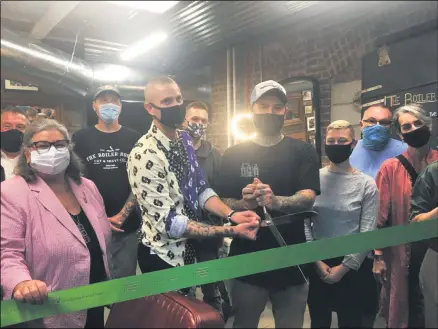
(60, 70)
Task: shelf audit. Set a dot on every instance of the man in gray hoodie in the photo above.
(196, 123)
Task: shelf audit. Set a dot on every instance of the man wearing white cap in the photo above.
(282, 174)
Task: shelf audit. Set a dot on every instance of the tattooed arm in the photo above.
(301, 201)
(234, 204)
(117, 221)
(129, 206)
(264, 196)
(200, 230)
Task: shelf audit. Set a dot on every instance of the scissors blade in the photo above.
(288, 219)
(278, 235)
(273, 228)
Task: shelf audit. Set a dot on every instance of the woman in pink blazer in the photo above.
(54, 230)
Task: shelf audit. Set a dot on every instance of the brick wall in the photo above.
(329, 49)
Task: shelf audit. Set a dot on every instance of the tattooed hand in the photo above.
(247, 230)
(263, 194)
(245, 217)
(248, 197)
(116, 223)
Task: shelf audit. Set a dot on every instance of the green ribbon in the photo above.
(134, 287)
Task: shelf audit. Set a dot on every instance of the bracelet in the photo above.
(230, 215)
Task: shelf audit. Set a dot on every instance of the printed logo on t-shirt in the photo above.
(248, 170)
(109, 159)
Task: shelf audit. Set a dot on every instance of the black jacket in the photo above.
(209, 159)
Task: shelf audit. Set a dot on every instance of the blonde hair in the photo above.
(156, 81)
(341, 124)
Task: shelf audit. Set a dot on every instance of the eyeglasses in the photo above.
(384, 122)
(43, 146)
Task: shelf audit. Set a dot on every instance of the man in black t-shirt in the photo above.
(282, 174)
(104, 149)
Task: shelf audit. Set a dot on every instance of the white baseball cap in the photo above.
(265, 86)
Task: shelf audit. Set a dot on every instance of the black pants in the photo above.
(343, 297)
(214, 293)
(417, 318)
(150, 263)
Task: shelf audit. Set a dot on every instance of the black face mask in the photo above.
(11, 140)
(173, 116)
(268, 124)
(418, 137)
(338, 153)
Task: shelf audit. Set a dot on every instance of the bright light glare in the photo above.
(143, 46)
(112, 73)
(235, 127)
(49, 58)
(152, 6)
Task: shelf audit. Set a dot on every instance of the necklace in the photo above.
(81, 228)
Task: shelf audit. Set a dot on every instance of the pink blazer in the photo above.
(40, 241)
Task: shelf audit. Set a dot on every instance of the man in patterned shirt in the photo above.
(170, 187)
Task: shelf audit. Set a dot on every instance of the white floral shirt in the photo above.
(169, 186)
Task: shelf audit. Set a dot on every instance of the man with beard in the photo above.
(281, 174)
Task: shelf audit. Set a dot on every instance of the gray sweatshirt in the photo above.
(347, 205)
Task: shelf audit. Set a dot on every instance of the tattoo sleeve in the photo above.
(130, 204)
(300, 201)
(234, 204)
(196, 230)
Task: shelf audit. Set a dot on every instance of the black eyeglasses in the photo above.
(384, 122)
(43, 146)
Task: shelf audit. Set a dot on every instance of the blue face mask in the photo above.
(109, 112)
(376, 137)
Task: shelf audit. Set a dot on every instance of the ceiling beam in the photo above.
(54, 14)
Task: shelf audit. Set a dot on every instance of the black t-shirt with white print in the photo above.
(105, 156)
(288, 167)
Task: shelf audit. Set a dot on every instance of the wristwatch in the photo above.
(228, 219)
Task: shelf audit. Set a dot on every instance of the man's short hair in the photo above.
(164, 80)
(32, 112)
(13, 109)
(364, 109)
(341, 124)
(197, 105)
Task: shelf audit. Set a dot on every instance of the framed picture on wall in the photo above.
(308, 109)
(310, 123)
(15, 85)
(307, 95)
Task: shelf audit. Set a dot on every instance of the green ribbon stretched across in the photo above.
(114, 291)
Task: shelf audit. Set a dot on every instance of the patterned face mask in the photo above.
(196, 130)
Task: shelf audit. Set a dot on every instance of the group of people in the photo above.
(85, 209)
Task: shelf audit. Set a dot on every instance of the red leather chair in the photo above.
(169, 310)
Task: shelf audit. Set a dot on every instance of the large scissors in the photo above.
(272, 223)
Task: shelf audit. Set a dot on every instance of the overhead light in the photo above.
(152, 6)
(111, 73)
(143, 46)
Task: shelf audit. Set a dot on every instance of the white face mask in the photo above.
(51, 162)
